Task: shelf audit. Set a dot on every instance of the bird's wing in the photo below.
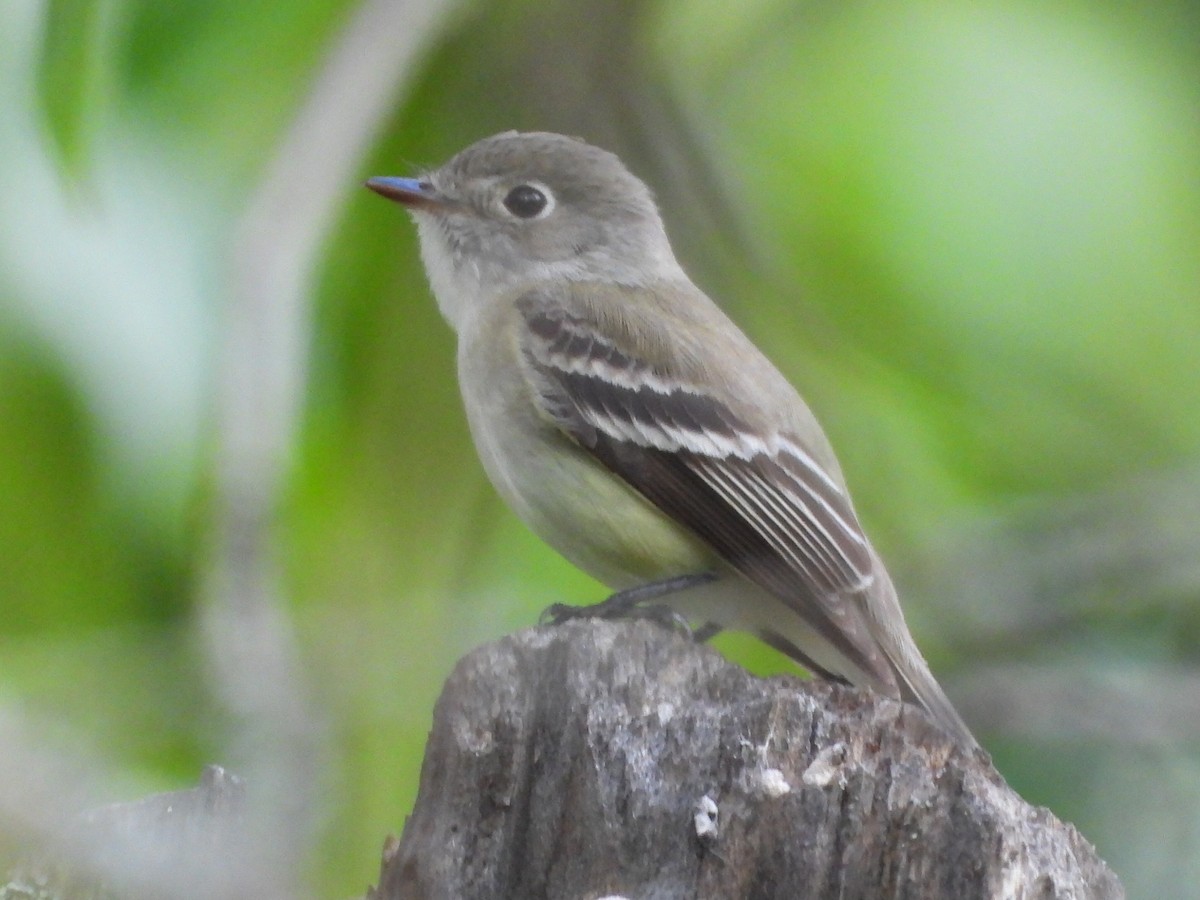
(758, 499)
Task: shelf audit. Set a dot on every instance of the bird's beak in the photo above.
(412, 192)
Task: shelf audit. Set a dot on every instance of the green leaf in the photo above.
(69, 75)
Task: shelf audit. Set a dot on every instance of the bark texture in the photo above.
(597, 759)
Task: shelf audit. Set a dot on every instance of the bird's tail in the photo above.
(913, 677)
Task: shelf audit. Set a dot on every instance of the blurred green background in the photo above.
(968, 232)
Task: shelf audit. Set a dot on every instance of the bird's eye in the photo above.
(525, 201)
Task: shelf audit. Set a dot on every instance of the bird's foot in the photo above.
(632, 603)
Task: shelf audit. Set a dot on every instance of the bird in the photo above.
(630, 423)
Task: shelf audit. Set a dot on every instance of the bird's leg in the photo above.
(706, 632)
(629, 604)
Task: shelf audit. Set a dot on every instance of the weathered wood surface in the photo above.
(598, 759)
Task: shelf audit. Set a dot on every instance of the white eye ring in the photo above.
(529, 200)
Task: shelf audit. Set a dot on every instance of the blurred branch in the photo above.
(184, 844)
(1048, 564)
(1093, 700)
(1041, 580)
(249, 640)
(40, 787)
(599, 81)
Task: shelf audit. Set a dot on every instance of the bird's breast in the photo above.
(568, 498)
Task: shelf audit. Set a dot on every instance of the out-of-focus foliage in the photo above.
(70, 74)
(968, 232)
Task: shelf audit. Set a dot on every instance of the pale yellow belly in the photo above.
(587, 513)
(561, 492)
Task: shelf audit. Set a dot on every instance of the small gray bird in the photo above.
(634, 427)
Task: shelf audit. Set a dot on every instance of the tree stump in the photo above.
(598, 759)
